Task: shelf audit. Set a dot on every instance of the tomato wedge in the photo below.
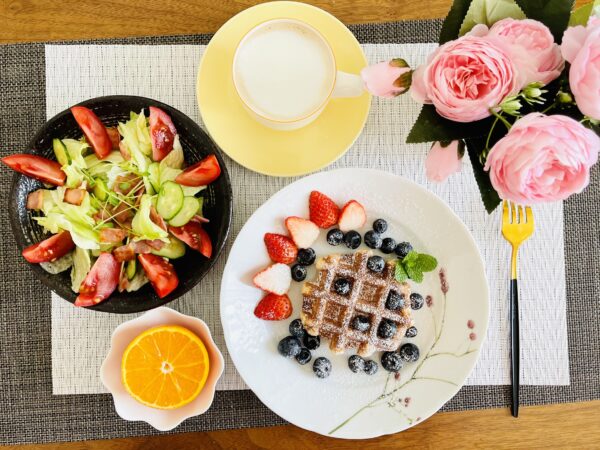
(36, 167)
(160, 272)
(201, 173)
(195, 236)
(162, 133)
(94, 130)
(50, 249)
(100, 282)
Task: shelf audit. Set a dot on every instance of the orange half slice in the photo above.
(165, 367)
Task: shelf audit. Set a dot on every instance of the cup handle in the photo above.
(348, 85)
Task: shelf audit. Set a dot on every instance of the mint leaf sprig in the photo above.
(413, 265)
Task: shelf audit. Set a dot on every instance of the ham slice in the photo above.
(112, 235)
(35, 199)
(74, 196)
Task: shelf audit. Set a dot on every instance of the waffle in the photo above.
(328, 314)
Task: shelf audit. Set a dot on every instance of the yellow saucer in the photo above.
(255, 146)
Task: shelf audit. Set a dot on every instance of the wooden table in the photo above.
(566, 425)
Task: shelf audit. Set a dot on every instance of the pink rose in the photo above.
(533, 50)
(466, 77)
(542, 158)
(581, 47)
(443, 161)
(387, 79)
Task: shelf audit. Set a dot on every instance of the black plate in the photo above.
(196, 145)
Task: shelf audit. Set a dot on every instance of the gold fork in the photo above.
(517, 226)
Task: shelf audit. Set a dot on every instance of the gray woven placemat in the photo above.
(32, 414)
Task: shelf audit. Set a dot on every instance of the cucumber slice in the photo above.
(173, 250)
(187, 211)
(130, 269)
(60, 151)
(170, 200)
(100, 190)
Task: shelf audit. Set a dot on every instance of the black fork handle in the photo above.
(514, 342)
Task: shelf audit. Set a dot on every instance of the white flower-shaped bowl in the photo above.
(130, 409)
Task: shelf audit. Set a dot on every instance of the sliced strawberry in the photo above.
(274, 307)
(304, 232)
(323, 211)
(281, 248)
(276, 279)
(352, 217)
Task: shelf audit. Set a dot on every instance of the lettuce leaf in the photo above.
(82, 264)
(74, 174)
(137, 281)
(83, 236)
(143, 226)
(76, 149)
(136, 137)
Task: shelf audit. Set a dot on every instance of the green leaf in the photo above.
(488, 12)
(400, 274)
(415, 274)
(453, 20)
(552, 13)
(430, 126)
(410, 259)
(426, 263)
(581, 15)
(489, 196)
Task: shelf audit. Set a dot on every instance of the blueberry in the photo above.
(341, 286)
(304, 356)
(311, 342)
(371, 367)
(375, 264)
(298, 272)
(356, 363)
(391, 361)
(289, 347)
(380, 226)
(403, 249)
(411, 332)
(335, 236)
(322, 367)
(352, 239)
(394, 301)
(416, 301)
(372, 239)
(409, 352)
(296, 328)
(387, 329)
(306, 256)
(388, 245)
(360, 323)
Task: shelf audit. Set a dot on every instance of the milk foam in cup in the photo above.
(285, 73)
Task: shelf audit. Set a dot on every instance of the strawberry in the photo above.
(281, 248)
(323, 211)
(275, 278)
(352, 217)
(274, 307)
(303, 231)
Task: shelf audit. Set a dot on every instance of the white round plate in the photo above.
(451, 326)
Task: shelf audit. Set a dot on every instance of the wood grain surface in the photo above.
(565, 426)
(43, 20)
